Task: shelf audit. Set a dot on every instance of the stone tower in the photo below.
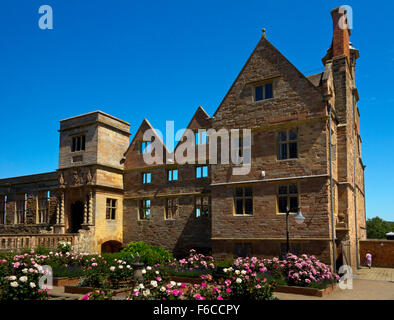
(90, 175)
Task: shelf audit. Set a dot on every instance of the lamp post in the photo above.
(299, 218)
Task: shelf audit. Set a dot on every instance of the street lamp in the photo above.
(299, 218)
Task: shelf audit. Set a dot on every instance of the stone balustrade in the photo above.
(20, 241)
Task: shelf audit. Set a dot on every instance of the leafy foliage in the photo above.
(377, 228)
(148, 254)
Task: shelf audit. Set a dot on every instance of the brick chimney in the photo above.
(341, 33)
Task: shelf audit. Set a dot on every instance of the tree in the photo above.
(377, 228)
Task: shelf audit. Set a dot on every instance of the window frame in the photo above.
(200, 137)
(244, 198)
(144, 178)
(20, 214)
(288, 195)
(143, 208)
(201, 168)
(170, 173)
(111, 209)
(169, 209)
(287, 142)
(263, 87)
(78, 143)
(43, 206)
(145, 147)
(199, 205)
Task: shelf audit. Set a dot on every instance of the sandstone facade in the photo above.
(106, 195)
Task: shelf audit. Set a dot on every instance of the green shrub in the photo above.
(68, 272)
(148, 254)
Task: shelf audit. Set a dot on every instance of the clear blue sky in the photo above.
(162, 59)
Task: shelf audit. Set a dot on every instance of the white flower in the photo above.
(23, 279)
(237, 272)
(225, 270)
(146, 292)
(230, 269)
(14, 284)
(32, 285)
(120, 267)
(157, 272)
(141, 286)
(179, 284)
(112, 268)
(12, 278)
(143, 271)
(243, 272)
(173, 283)
(239, 280)
(162, 289)
(153, 283)
(128, 266)
(25, 270)
(148, 268)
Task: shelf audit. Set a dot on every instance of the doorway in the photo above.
(76, 217)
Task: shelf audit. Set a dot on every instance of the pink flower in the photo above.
(158, 279)
(220, 298)
(85, 297)
(228, 290)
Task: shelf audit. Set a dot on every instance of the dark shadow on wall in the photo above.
(196, 234)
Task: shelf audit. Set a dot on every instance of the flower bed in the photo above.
(194, 277)
(64, 281)
(305, 290)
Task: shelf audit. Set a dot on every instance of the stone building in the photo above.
(305, 152)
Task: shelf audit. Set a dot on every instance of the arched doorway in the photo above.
(111, 246)
(76, 217)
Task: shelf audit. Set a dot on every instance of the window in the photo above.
(172, 175)
(146, 177)
(263, 92)
(202, 207)
(288, 198)
(243, 201)
(3, 209)
(287, 141)
(171, 208)
(43, 206)
(21, 208)
(78, 143)
(111, 209)
(144, 210)
(201, 172)
(145, 147)
(201, 137)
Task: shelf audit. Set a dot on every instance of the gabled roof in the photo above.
(263, 44)
(200, 120)
(146, 123)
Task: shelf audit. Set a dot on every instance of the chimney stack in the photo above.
(341, 33)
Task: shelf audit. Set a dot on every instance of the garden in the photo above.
(144, 272)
